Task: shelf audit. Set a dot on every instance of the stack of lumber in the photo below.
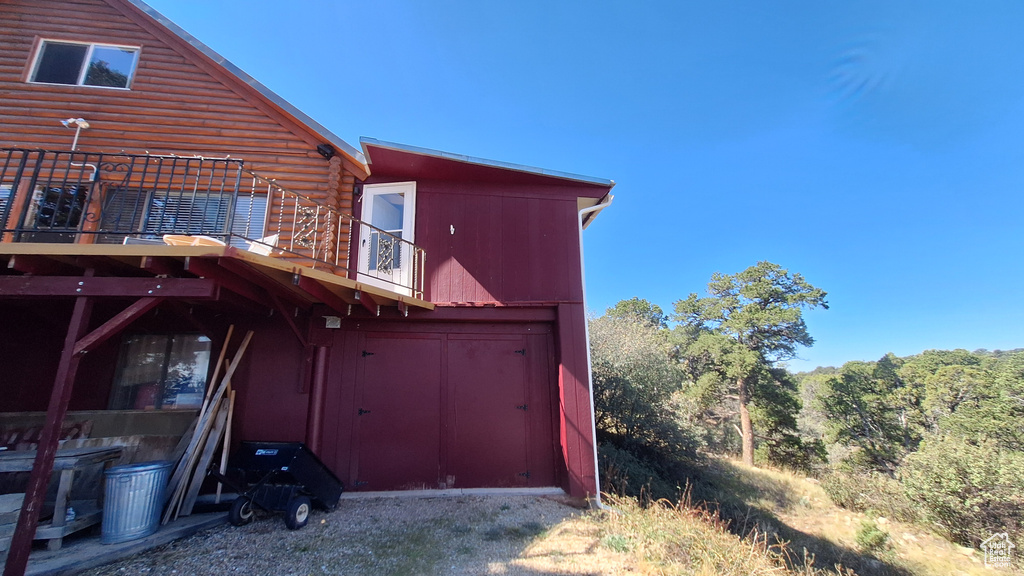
(10, 508)
(210, 431)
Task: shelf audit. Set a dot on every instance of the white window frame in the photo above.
(401, 277)
(40, 48)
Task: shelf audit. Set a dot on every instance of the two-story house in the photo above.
(418, 316)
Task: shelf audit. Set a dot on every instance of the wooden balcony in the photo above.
(135, 216)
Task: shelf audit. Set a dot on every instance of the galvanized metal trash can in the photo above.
(133, 500)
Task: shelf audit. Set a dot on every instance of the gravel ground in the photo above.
(515, 535)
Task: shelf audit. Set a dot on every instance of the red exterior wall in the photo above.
(512, 243)
(509, 239)
(271, 403)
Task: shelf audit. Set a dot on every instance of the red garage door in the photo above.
(398, 418)
(436, 410)
(488, 378)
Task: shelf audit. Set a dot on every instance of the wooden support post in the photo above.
(315, 415)
(28, 520)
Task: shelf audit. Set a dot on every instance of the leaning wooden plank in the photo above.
(179, 480)
(181, 468)
(220, 361)
(205, 420)
(189, 438)
(185, 439)
(199, 474)
(227, 442)
(187, 464)
(205, 408)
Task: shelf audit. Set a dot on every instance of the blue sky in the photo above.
(877, 148)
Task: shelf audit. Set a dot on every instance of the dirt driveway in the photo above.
(514, 535)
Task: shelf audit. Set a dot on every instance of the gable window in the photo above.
(80, 64)
(161, 372)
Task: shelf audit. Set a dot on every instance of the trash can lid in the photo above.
(138, 467)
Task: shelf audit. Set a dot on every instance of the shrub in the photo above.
(968, 491)
(623, 473)
(792, 453)
(872, 492)
(870, 538)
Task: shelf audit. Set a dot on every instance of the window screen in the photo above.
(60, 63)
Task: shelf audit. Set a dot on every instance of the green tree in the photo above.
(634, 380)
(100, 74)
(967, 489)
(646, 443)
(747, 323)
(862, 408)
(640, 311)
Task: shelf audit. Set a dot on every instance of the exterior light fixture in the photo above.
(78, 124)
(326, 150)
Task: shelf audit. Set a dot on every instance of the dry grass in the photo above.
(809, 519)
(537, 536)
(688, 540)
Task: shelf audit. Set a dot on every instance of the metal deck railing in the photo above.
(96, 198)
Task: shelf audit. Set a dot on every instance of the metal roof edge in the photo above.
(267, 93)
(365, 141)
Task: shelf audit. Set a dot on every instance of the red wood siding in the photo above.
(491, 409)
(511, 243)
(576, 422)
(270, 404)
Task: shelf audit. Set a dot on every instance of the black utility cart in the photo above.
(282, 477)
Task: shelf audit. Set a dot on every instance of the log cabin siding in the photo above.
(179, 102)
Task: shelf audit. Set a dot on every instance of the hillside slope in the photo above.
(776, 507)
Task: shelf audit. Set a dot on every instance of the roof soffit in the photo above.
(389, 159)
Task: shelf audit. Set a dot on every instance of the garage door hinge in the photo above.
(361, 411)
(365, 353)
(522, 407)
(525, 474)
(521, 352)
(359, 483)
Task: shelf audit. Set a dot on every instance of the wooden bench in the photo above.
(66, 463)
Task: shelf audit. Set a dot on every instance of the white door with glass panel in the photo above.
(386, 256)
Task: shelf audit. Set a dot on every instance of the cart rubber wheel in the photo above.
(298, 512)
(241, 512)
